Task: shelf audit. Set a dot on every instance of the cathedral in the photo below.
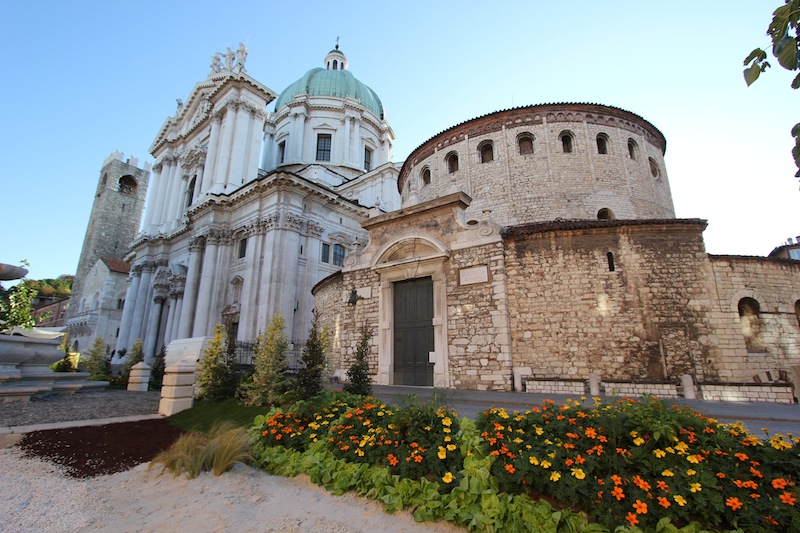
(530, 249)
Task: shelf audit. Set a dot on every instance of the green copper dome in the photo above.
(335, 83)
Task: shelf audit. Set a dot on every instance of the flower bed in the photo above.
(631, 464)
(638, 462)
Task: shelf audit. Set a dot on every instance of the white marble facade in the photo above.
(249, 209)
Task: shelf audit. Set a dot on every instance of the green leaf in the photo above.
(786, 53)
(752, 73)
(758, 54)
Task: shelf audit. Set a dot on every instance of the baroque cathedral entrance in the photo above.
(413, 332)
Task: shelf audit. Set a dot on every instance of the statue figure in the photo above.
(229, 55)
(216, 63)
(241, 55)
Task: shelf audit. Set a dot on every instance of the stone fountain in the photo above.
(26, 356)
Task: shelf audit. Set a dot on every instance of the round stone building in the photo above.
(537, 249)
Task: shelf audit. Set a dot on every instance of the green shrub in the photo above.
(312, 362)
(98, 361)
(359, 380)
(217, 378)
(157, 372)
(268, 383)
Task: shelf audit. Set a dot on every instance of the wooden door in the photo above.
(413, 332)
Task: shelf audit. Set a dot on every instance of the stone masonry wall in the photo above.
(645, 320)
(477, 322)
(775, 285)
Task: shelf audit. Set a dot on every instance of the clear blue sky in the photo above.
(83, 78)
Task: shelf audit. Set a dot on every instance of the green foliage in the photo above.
(268, 384)
(157, 372)
(783, 32)
(223, 446)
(313, 360)
(61, 287)
(359, 380)
(217, 378)
(136, 356)
(16, 311)
(204, 414)
(97, 361)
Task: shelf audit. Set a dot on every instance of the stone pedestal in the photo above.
(139, 378)
(177, 390)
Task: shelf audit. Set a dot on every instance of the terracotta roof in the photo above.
(555, 225)
(116, 265)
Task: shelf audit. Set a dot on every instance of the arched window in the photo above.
(426, 176)
(335, 65)
(190, 191)
(750, 319)
(606, 214)
(281, 152)
(610, 258)
(486, 150)
(633, 149)
(797, 311)
(126, 185)
(566, 142)
(525, 143)
(452, 162)
(654, 168)
(602, 143)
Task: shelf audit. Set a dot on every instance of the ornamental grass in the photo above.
(637, 462)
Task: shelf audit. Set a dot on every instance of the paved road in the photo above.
(778, 418)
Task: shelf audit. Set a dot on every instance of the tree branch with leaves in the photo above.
(783, 32)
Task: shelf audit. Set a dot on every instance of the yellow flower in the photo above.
(659, 453)
(555, 476)
(446, 430)
(680, 500)
(670, 449)
(681, 447)
(578, 473)
(533, 460)
(667, 473)
(442, 452)
(638, 441)
(451, 447)
(634, 433)
(546, 464)
(448, 478)
(446, 421)
(501, 413)
(692, 459)
(539, 431)
(447, 438)
(517, 441)
(427, 428)
(695, 487)
(690, 472)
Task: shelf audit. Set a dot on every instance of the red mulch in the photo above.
(97, 450)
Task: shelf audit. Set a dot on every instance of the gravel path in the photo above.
(51, 408)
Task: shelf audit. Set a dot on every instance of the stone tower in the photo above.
(116, 214)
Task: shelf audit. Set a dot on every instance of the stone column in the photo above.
(173, 192)
(224, 153)
(236, 170)
(248, 316)
(348, 133)
(211, 157)
(160, 289)
(186, 320)
(155, 183)
(141, 303)
(128, 308)
(206, 287)
(256, 126)
(168, 163)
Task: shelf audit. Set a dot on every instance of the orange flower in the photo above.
(733, 503)
(417, 458)
(616, 479)
(720, 475)
(617, 493)
(755, 472)
(771, 520)
(741, 456)
(662, 485)
(663, 502)
(510, 469)
(632, 519)
(392, 459)
(779, 483)
(787, 498)
(640, 507)
(591, 433)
